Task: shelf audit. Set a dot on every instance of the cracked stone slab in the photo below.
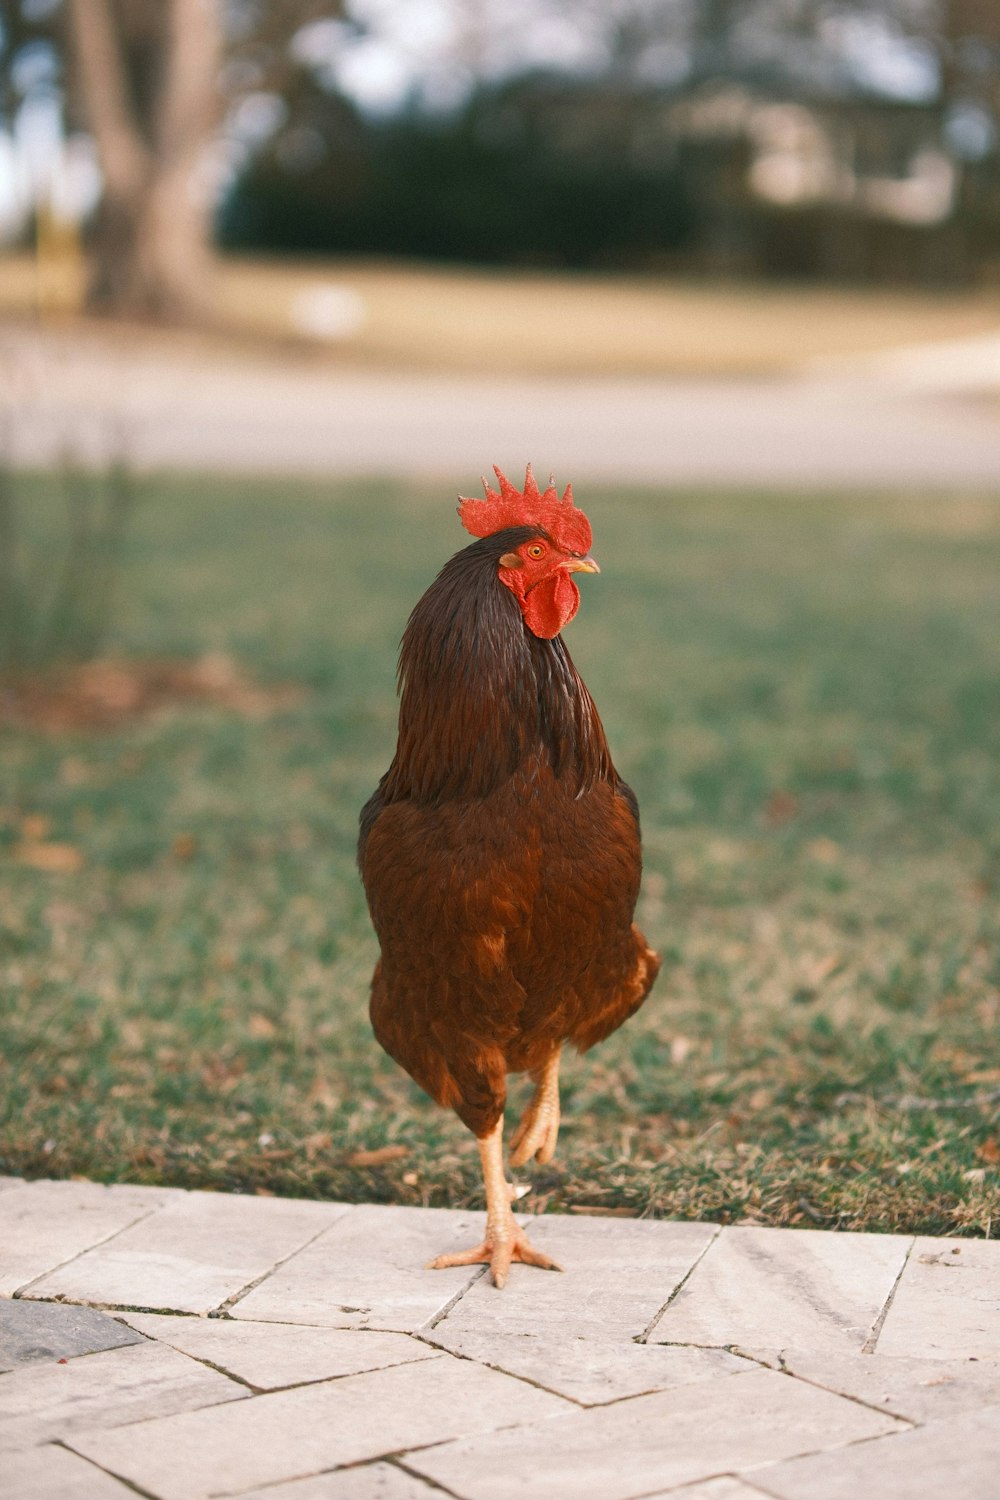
(617, 1275)
(44, 1330)
(45, 1403)
(270, 1356)
(368, 1482)
(292, 1434)
(51, 1473)
(726, 1487)
(589, 1371)
(919, 1390)
(47, 1223)
(947, 1303)
(369, 1271)
(654, 1442)
(194, 1254)
(770, 1288)
(958, 1456)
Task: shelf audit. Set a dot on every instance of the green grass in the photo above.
(805, 694)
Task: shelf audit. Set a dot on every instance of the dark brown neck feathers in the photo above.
(480, 696)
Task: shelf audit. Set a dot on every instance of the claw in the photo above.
(498, 1254)
(536, 1137)
(538, 1131)
(505, 1241)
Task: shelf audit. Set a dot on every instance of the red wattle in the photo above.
(550, 605)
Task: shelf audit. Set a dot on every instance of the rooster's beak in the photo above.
(581, 565)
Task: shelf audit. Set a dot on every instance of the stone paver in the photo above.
(631, 1448)
(590, 1371)
(367, 1482)
(298, 1432)
(271, 1356)
(43, 1224)
(193, 1255)
(780, 1287)
(368, 1271)
(667, 1360)
(947, 1303)
(31, 1331)
(959, 1457)
(43, 1402)
(52, 1473)
(919, 1390)
(618, 1274)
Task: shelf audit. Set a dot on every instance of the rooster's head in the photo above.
(537, 568)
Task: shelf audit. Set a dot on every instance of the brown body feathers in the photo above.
(500, 854)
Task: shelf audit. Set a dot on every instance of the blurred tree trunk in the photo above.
(152, 248)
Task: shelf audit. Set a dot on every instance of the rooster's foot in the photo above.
(498, 1251)
(505, 1241)
(538, 1131)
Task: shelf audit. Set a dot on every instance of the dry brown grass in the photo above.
(511, 322)
(444, 318)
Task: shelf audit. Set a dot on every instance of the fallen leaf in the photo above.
(184, 846)
(261, 1026)
(780, 808)
(824, 967)
(320, 1140)
(55, 859)
(377, 1157)
(989, 1151)
(34, 827)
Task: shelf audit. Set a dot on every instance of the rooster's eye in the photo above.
(536, 551)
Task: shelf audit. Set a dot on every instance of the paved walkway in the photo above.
(290, 1350)
(207, 409)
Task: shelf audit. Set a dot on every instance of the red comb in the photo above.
(567, 526)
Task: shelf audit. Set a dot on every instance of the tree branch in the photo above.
(189, 104)
(110, 114)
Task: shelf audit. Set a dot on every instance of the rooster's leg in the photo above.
(505, 1240)
(539, 1128)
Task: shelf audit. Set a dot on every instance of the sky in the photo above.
(436, 47)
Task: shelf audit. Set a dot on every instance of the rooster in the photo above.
(500, 853)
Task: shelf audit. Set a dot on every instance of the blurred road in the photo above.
(221, 410)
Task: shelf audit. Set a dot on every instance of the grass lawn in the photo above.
(805, 694)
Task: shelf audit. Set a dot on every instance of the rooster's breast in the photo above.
(510, 913)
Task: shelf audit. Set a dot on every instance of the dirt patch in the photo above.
(104, 694)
